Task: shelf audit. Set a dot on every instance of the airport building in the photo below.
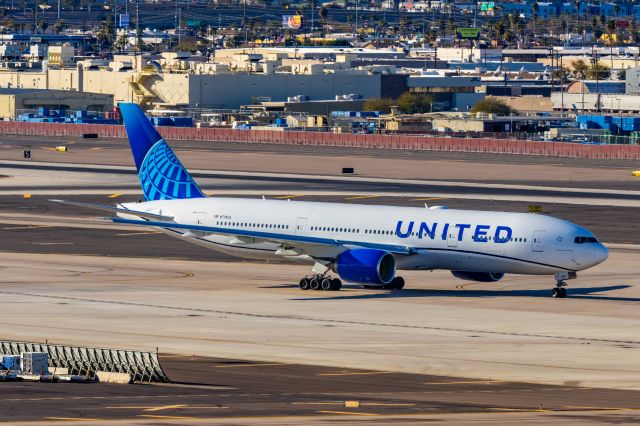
(15, 101)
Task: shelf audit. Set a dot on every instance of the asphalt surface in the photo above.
(215, 389)
(106, 150)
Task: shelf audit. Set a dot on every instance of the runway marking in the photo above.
(155, 416)
(356, 374)
(427, 199)
(74, 419)
(284, 197)
(387, 404)
(166, 407)
(138, 233)
(467, 382)
(29, 227)
(53, 244)
(95, 148)
(350, 413)
(248, 365)
(319, 403)
(361, 197)
(114, 195)
(600, 408)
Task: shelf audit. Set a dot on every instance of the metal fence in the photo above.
(143, 367)
(402, 142)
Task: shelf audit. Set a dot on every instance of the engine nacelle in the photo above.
(366, 266)
(483, 277)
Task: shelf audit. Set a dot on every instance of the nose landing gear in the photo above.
(560, 291)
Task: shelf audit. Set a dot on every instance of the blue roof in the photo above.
(605, 87)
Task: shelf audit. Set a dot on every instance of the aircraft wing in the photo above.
(146, 215)
(293, 241)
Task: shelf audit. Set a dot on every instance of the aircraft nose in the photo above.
(601, 253)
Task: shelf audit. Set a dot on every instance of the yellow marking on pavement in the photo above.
(26, 196)
(114, 195)
(598, 408)
(246, 365)
(356, 374)
(466, 382)
(427, 199)
(166, 407)
(74, 419)
(155, 416)
(361, 197)
(350, 413)
(284, 197)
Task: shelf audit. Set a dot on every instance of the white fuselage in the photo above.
(459, 240)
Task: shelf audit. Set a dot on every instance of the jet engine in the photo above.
(483, 277)
(366, 266)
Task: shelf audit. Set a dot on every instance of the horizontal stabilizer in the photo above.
(145, 215)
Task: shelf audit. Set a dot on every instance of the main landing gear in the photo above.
(396, 284)
(320, 282)
(560, 291)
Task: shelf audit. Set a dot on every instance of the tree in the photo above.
(580, 69)
(492, 106)
(378, 104)
(534, 11)
(414, 103)
(598, 71)
(611, 28)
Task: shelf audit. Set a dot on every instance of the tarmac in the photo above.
(244, 345)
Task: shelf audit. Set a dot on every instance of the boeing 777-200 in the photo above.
(362, 244)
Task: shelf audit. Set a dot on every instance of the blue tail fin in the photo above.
(161, 174)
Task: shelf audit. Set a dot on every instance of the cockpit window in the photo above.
(585, 240)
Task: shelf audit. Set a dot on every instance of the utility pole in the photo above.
(312, 18)
(35, 16)
(357, 17)
(138, 24)
(244, 21)
(58, 9)
(179, 26)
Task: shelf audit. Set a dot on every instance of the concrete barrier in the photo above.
(111, 377)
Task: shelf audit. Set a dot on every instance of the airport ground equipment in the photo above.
(143, 367)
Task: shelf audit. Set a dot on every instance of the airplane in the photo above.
(362, 244)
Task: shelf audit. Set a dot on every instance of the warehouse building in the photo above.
(15, 101)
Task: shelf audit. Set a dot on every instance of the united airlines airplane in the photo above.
(362, 244)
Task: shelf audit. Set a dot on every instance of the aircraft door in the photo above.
(301, 225)
(537, 242)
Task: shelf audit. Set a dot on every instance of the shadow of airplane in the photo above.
(590, 293)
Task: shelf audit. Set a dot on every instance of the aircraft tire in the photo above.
(315, 284)
(398, 283)
(305, 284)
(326, 284)
(336, 284)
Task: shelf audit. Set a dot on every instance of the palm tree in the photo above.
(534, 10)
(611, 27)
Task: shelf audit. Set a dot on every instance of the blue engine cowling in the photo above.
(483, 277)
(366, 266)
